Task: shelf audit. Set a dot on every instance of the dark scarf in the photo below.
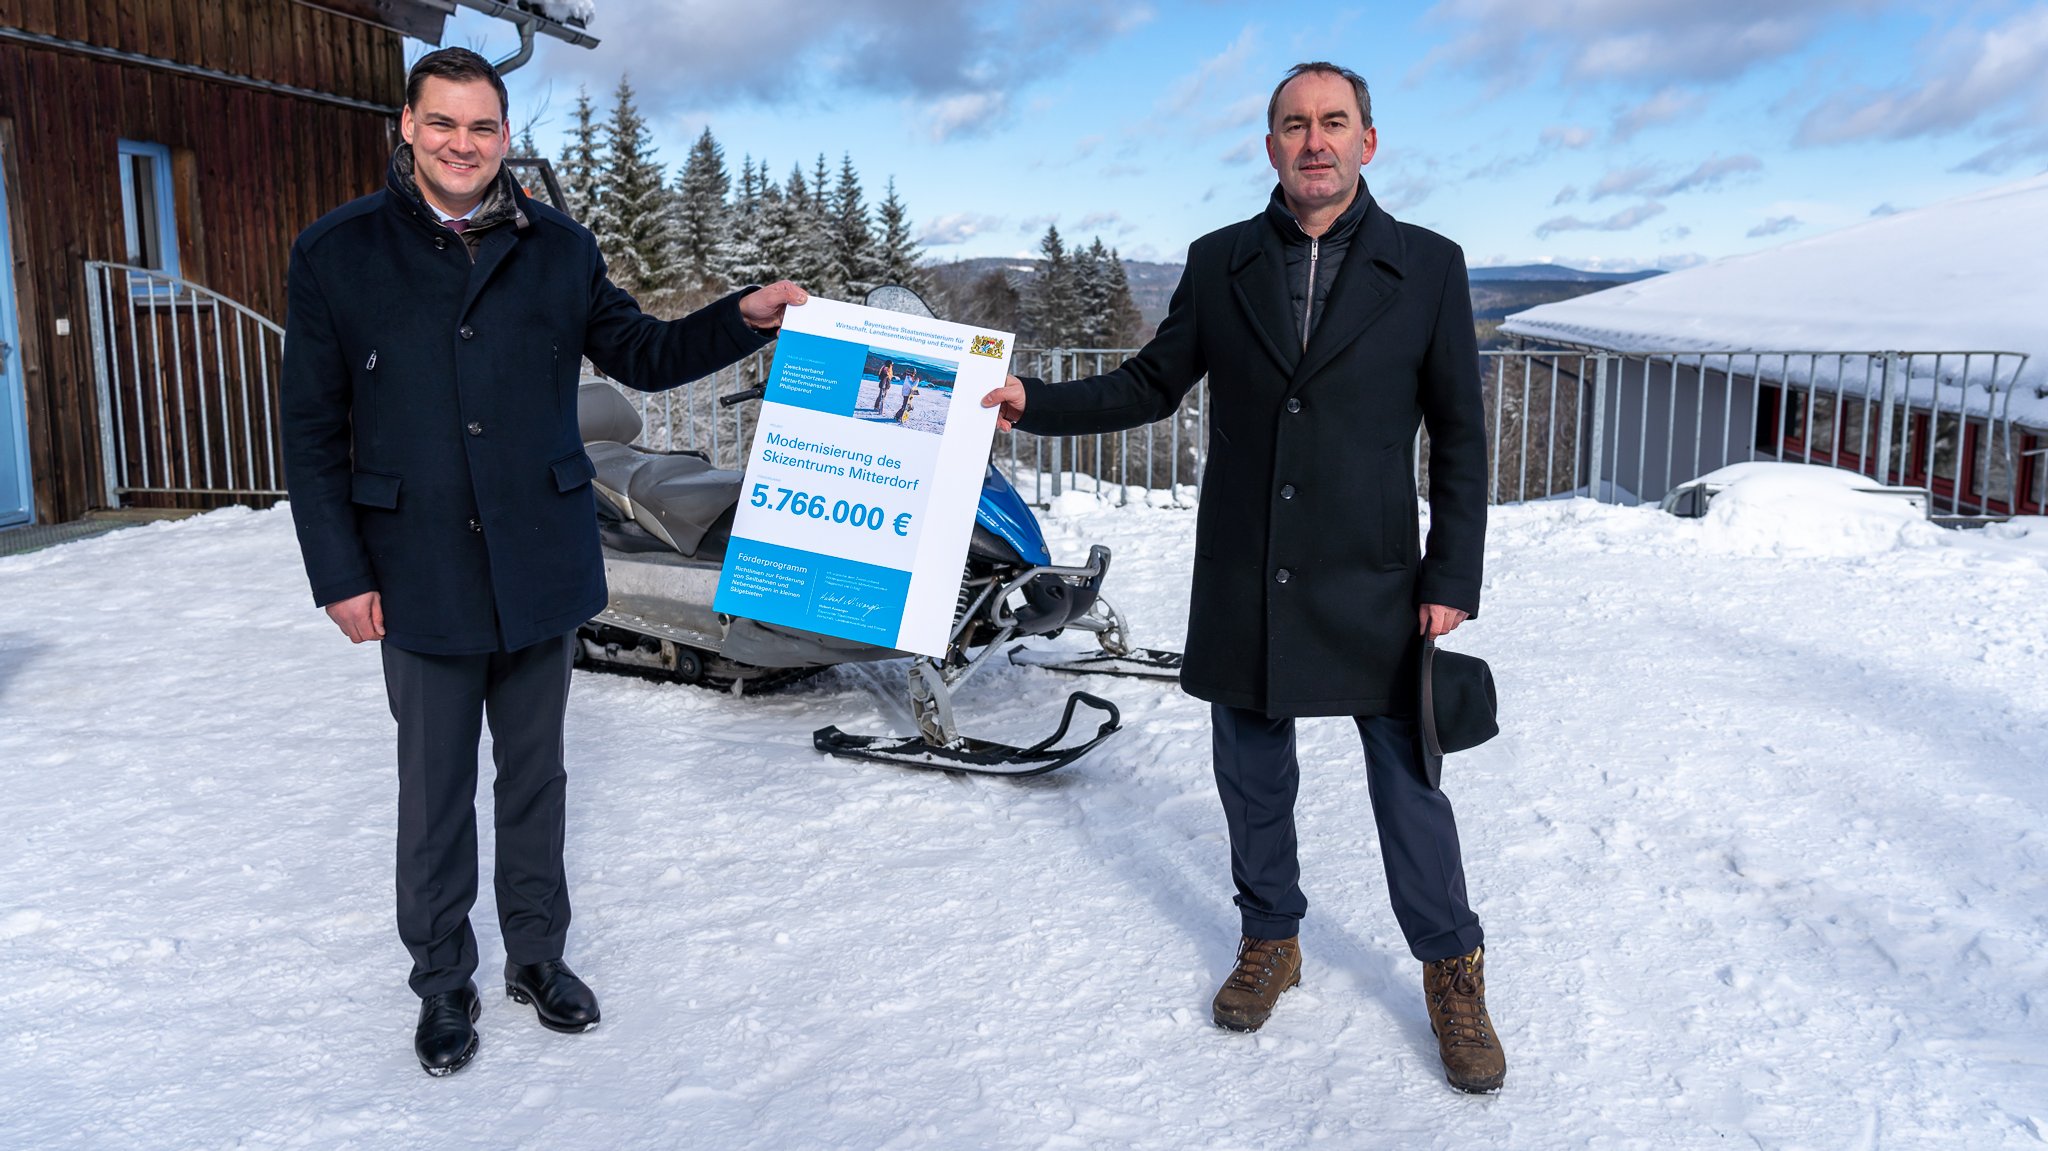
(500, 204)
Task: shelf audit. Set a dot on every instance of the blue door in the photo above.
(17, 502)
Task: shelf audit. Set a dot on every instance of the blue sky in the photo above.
(1598, 133)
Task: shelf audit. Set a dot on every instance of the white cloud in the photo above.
(1621, 221)
(1711, 173)
(1247, 151)
(1622, 181)
(1566, 195)
(967, 114)
(1975, 78)
(1190, 89)
(958, 228)
(703, 54)
(1630, 41)
(1773, 226)
(1405, 191)
(1567, 136)
(1663, 106)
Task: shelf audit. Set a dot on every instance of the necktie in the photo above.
(461, 225)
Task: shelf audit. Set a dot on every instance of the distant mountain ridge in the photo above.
(1558, 272)
(1496, 291)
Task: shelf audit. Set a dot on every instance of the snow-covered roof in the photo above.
(1969, 274)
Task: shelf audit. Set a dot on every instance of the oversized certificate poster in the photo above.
(864, 476)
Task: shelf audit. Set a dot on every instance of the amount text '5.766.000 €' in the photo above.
(796, 503)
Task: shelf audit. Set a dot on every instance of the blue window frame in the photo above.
(149, 214)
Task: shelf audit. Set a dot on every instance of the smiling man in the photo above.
(442, 498)
(1329, 332)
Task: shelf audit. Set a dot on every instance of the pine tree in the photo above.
(704, 232)
(635, 222)
(897, 256)
(785, 218)
(1091, 295)
(853, 242)
(816, 242)
(1124, 321)
(746, 254)
(577, 170)
(992, 301)
(800, 236)
(1049, 305)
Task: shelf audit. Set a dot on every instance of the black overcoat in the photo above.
(429, 415)
(1308, 566)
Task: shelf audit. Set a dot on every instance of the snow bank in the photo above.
(1762, 853)
(1779, 509)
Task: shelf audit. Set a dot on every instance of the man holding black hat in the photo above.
(1329, 332)
(442, 499)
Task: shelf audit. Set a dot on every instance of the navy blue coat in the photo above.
(1308, 561)
(429, 415)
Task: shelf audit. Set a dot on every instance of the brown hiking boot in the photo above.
(1455, 990)
(1265, 968)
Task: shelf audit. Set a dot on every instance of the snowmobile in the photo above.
(665, 518)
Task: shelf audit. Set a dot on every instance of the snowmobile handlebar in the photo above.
(742, 396)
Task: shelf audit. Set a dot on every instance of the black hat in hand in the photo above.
(1459, 709)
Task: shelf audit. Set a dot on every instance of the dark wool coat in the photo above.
(429, 415)
(1308, 566)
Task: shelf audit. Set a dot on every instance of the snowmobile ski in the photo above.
(1137, 663)
(975, 756)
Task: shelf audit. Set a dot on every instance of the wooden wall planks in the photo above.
(255, 167)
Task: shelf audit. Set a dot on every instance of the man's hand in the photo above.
(360, 618)
(1011, 397)
(762, 307)
(1439, 620)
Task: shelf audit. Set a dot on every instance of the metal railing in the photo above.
(1620, 428)
(186, 382)
(187, 386)
(1626, 428)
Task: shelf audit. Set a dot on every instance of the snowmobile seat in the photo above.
(615, 463)
(604, 414)
(680, 498)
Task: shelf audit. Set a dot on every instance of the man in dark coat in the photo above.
(1328, 332)
(443, 505)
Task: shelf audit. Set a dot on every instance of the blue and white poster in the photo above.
(864, 475)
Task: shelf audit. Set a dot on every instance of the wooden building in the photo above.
(189, 141)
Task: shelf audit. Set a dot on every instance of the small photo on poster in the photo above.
(910, 391)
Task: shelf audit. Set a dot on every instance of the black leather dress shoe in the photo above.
(564, 1002)
(446, 1037)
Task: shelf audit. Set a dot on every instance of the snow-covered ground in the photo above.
(1762, 855)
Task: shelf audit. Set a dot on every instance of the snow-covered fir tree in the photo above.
(897, 256)
(1050, 310)
(853, 242)
(819, 245)
(578, 168)
(799, 236)
(635, 223)
(1124, 321)
(788, 251)
(704, 232)
(1091, 294)
(747, 252)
